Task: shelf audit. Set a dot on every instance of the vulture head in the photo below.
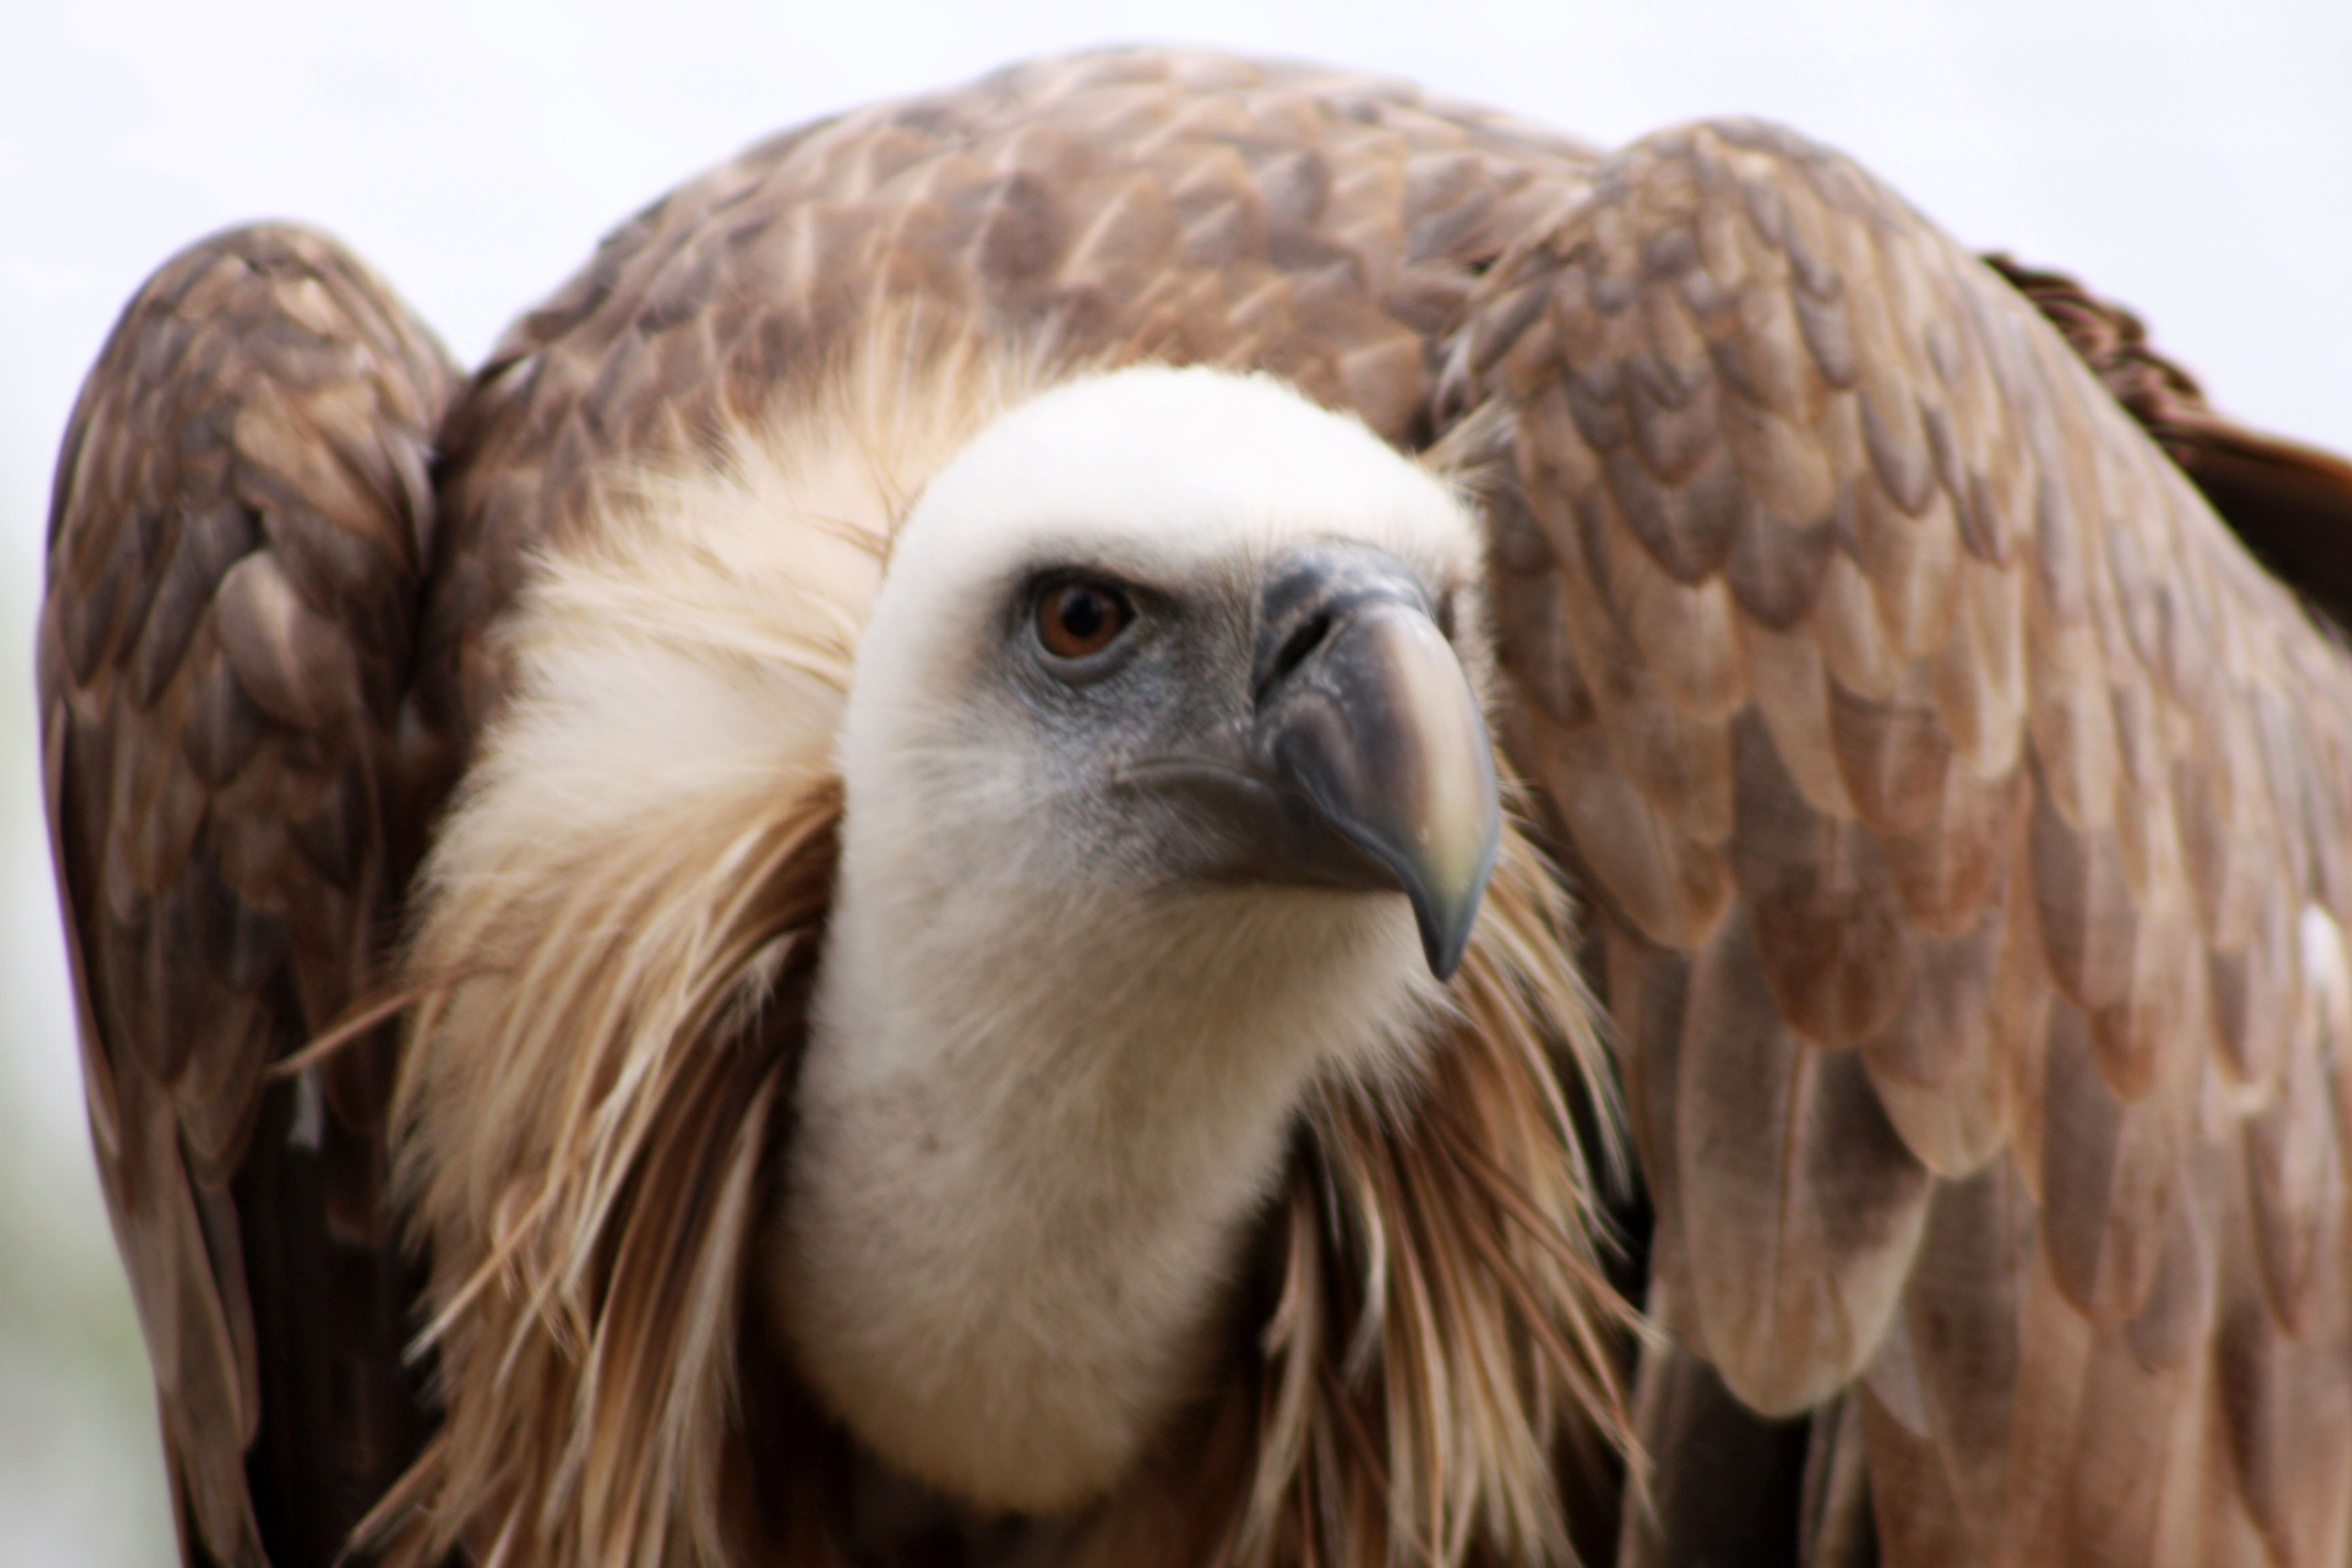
(974, 890)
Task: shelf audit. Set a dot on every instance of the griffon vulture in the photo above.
(855, 907)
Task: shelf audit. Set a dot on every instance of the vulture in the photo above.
(1179, 812)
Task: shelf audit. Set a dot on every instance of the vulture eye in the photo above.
(1075, 619)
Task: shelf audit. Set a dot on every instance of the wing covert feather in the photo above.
(241, 517)
(1995, 1083)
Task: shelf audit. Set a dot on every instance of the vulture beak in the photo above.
(1365, 761)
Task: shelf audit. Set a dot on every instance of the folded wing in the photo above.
(1967, 815)
(242, 514)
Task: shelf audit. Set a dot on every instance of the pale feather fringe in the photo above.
(587, 1182)
(582, 1136)
(1446, 1340)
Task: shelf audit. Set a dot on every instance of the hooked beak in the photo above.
(1365, 763)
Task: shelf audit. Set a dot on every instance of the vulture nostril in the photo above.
(1294, 652)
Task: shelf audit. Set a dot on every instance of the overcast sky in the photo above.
(2197, 167)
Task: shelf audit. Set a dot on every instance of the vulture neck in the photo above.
(1030, 1148)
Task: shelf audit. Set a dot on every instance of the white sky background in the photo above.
(2196, 167)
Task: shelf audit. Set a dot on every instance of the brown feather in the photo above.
(1802, 1203)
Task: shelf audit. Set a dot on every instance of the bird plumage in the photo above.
(620, 900)
(1960, 811)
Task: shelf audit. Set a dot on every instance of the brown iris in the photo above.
(1075, 619)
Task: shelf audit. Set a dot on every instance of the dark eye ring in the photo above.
(1076, 619)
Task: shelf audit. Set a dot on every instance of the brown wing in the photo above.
(1968, 817)
(241, 508)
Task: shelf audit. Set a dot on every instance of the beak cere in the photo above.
(1366, 714)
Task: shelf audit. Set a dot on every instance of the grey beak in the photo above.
(1365, 711)
(1364, 761)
